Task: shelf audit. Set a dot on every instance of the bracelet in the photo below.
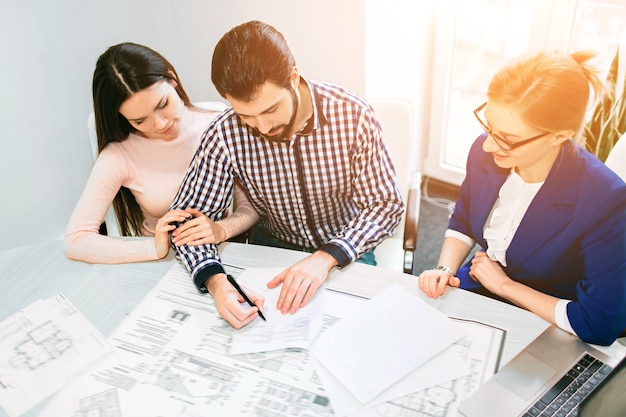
(444, 269)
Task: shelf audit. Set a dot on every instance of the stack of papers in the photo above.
(173, 356)
(394, 345)
(383, 348)
(280, 331)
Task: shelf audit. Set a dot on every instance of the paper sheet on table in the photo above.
(280, 331)
(442, 368)
(393, 334)
(41, 348)
(172, 354)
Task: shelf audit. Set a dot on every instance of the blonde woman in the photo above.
(549, 217)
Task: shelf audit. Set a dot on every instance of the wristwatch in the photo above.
(444, 269)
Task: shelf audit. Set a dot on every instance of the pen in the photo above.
(231, 279)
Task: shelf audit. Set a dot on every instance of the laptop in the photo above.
(608, 399)
(549, 377)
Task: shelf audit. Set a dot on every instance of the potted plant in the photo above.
(608, 121)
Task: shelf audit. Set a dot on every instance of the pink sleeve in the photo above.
(243, 217)
(82, 240)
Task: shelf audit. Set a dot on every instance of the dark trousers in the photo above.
(259, 235)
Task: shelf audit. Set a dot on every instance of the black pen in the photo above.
(231, 279)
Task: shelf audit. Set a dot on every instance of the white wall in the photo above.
(48, 50)
(398, 60)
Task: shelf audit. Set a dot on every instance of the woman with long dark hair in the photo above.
(148, 131)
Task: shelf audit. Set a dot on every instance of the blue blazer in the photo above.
(571, 243)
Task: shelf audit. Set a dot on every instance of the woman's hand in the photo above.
(433, 282)
(489, 273)
(199, 230)
(163, 228)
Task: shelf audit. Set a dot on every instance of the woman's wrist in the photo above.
(444, 269)
(162, 248)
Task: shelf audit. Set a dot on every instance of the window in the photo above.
(474, 38)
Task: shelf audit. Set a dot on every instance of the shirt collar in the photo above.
(317, 119)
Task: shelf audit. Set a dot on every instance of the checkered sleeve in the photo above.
(208, 187)
(375, 192)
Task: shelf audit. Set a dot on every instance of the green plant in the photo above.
(608, 121)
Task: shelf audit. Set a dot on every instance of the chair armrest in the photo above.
(412, 213)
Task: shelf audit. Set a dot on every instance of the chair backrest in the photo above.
(110, 219)
(617, 158)
(212, 105)
(396, 117)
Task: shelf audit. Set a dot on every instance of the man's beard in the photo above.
(286, 129)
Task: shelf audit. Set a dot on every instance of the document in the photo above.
(442, 368)
(279, 331)
(389, 336)
(172, 358)
(47, 341)
(480, 349)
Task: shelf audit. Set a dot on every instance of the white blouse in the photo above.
(513, 200)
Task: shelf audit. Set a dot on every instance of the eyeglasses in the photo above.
(505, 144)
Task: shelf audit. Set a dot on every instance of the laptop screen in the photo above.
(608, 400)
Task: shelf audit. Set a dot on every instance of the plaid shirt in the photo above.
(332, 188)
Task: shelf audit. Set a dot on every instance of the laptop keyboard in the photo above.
(563, 398)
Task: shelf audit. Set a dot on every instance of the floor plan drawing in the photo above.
(102, 404)
(49, 340)
(273, 399)
(196, 377)
(40, 345)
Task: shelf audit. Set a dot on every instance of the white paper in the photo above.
(392, 335)
(173, 359)
(443, 367)
(41, 348)
(279, 331)
(173, 353)
(480, 351)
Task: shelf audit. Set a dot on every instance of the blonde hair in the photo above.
(549, 89)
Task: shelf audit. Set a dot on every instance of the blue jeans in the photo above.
(259, 235)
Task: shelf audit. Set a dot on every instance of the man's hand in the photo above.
(301, 281)
(199, 230)
(230, 305)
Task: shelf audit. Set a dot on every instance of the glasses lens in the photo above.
(500, 141)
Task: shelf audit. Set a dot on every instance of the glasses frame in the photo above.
(504, 143)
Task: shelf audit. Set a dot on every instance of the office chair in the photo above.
(396, 118)
(110, 219)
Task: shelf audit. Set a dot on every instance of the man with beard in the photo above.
(311, 157)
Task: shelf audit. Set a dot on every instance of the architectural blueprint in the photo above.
(47, 341)
(172, 359)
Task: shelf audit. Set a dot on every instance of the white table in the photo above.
(106, 294)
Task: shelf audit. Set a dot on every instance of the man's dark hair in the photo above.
(249, 55)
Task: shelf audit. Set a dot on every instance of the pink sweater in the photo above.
(152, 169)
